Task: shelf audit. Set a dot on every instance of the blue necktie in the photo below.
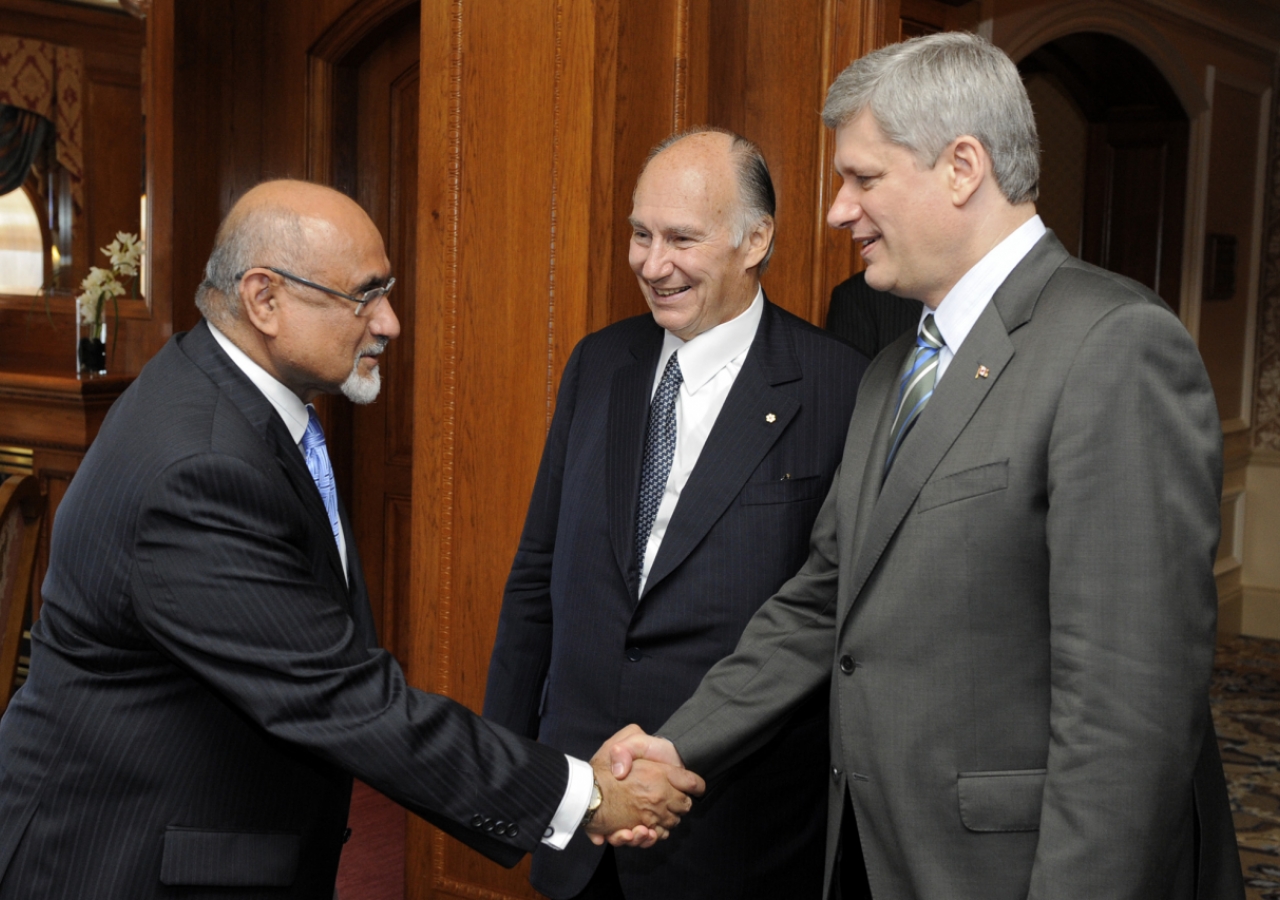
(659, 449)
(918, 378)
(317, 456)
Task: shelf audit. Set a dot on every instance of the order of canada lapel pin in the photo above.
(771, 418)
(983, 372)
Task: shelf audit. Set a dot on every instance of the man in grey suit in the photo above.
(205, 676)
(1010, 584)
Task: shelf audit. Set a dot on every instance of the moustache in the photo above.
(376, 348)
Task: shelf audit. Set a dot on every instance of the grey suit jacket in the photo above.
(1019, 621)
(204, 681)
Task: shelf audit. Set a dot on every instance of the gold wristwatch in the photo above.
(596, 800)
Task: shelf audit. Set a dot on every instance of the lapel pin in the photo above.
(771, 418)
(983, 372)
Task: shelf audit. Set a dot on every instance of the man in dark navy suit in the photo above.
(205, 677)
(688, 457)
(869, 320)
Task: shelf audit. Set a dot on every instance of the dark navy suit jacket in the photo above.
(577, 656)
(203, 679)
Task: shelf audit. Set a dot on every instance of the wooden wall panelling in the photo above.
(645, 112)
(494, 229)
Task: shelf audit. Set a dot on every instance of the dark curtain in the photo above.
(22, 135)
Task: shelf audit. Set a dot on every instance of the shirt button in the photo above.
(633, 654)
(846, 664)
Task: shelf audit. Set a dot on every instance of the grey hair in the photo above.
(266, 236)
(756, 197)
(926, 92)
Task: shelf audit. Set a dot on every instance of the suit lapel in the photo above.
(873, 469)
(739, 440)
(624, 446)
(203, 350)
(949, 411)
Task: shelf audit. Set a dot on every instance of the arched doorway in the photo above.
(1114, 140)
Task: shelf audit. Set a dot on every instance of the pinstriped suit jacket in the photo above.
(204, 682)
(577, 657)
(867, 319)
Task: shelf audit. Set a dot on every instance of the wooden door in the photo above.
(1135, 184)
(385, 183)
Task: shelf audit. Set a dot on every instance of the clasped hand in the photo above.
(644, 787)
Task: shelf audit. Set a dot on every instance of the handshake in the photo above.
(644, 789)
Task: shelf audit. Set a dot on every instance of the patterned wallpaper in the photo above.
(1266, 413)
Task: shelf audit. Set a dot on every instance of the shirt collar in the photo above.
(701, 357)
(960, 309)
(292, 410)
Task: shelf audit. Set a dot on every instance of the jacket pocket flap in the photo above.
(984, 479)
(1001, 801)
(781, 490)
(194, 856)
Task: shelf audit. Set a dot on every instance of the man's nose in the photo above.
(845, 210)
(657, 263)
(384, 322)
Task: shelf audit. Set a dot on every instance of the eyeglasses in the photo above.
(366, 300)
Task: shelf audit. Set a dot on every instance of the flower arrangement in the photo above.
(99, 286)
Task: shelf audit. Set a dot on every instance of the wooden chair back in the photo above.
(22, 509)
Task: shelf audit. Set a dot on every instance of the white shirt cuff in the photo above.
(577, 796)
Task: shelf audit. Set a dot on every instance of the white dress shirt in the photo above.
(710, 363)
(960, 309)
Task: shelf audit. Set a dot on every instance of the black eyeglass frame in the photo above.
(361, 299)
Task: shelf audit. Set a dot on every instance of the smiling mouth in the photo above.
(865, 242)
(669, 292)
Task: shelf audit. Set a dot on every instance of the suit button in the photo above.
(633, 654)
(846, 664)
(513, 830)
(477, 821)
(500, 827)
(835, 773)
(488, 825)
(346, 835)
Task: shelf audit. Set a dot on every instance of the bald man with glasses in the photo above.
(205, 677)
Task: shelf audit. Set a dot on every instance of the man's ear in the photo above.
(259, 301)
(758, 241)
(967, 166)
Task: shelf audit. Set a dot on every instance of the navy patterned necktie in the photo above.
(317, 456)
(918, 378)
(659, 449)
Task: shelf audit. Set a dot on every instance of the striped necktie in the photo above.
(918, 378)
(317, 456)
